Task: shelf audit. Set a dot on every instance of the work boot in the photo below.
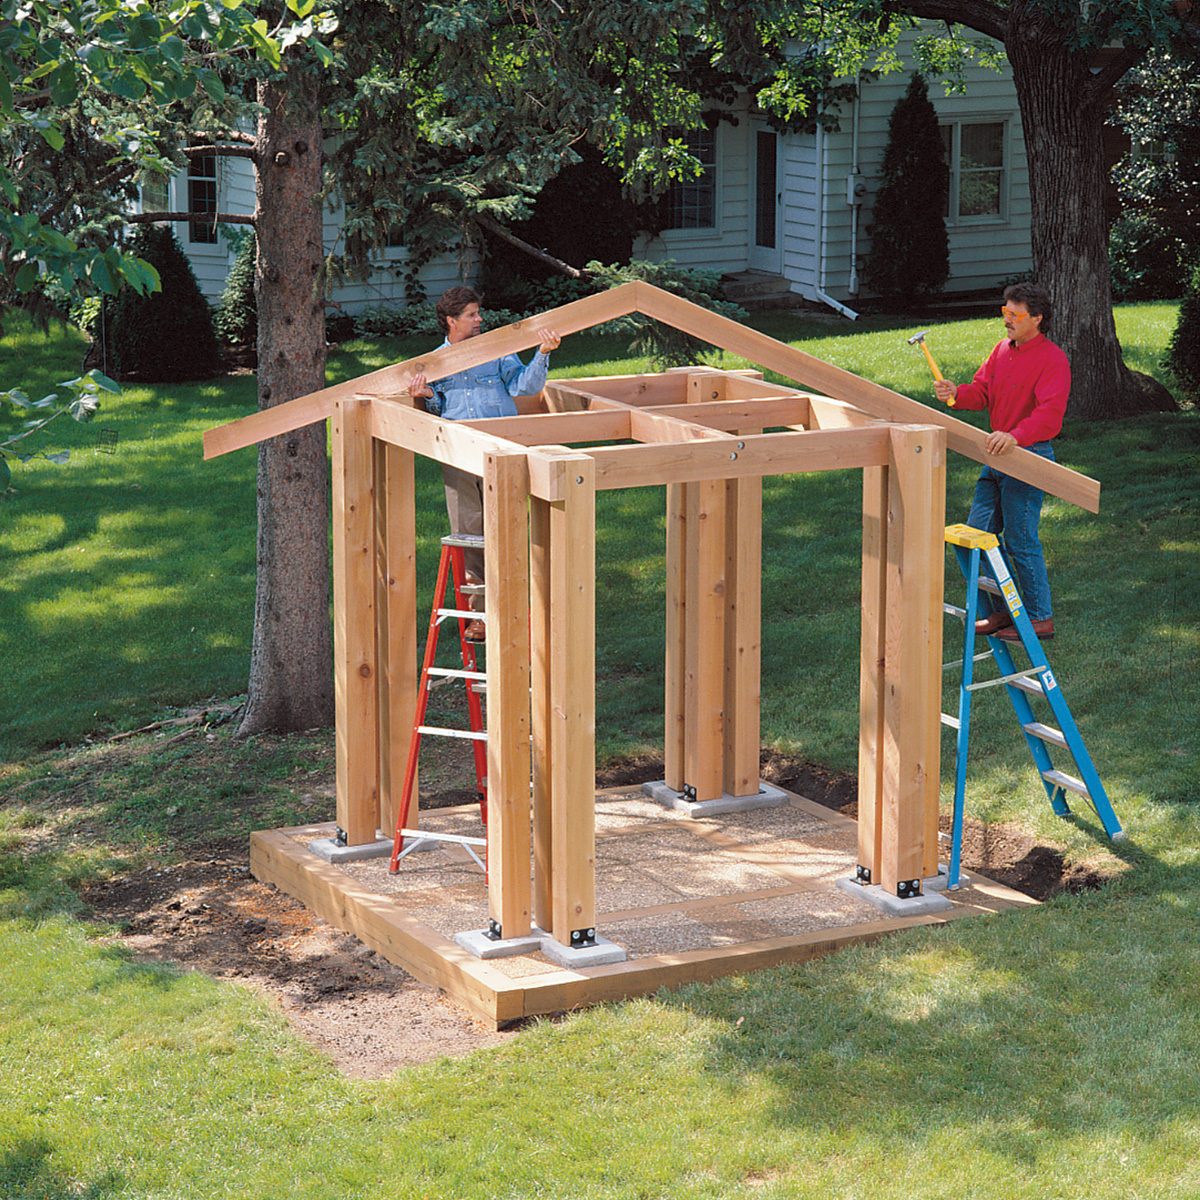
(1043, 629)
(992, 625)
(475, 631)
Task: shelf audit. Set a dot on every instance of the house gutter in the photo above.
(821, 294)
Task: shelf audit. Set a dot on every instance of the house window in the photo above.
(202, 197)
(692, 204)
(156, 194)
(975, 153)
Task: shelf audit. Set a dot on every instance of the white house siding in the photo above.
(724, 247)
(982, 253)
(800, 213)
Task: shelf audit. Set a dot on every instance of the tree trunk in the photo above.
(291, 661)
(1063, 112)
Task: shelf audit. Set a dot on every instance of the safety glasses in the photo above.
(1007, 312)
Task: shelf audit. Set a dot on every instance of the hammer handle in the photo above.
(932, 365)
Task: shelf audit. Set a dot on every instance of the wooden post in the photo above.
(675, 637)
(573, 699)
(871, 670)
(743, 628)
(705, 640)
(356, 694)
(913, 656)
(506, 572)
(539, 660)
(396, 624)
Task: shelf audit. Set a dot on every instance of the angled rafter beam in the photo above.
(521, 335)
(844, 385)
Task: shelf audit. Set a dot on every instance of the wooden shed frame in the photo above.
(699, 431)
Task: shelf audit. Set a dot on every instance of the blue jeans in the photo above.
(1012, 509)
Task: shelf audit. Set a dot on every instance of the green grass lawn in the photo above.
(1043, 1054)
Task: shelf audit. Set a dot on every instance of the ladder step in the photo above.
(958, 662)
(468, 541)
(1047, 733)
(472, 589)
(952, 610)
(438, 731)
(987, 683)
(1062, 779)
(454, 673)
(456, 838)
(466, 613)
(952, 722)
(989, 585)
(1032, 686)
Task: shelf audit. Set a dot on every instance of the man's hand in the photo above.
(550, 340)
(944, 389)
(999, 442)
(418, 389)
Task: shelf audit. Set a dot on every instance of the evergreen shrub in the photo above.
(910, 252)
(168, 336)
(1183, 353)
(237, 314)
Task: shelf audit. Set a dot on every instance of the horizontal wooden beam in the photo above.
(837, 414)
(540, 429)
(756, 454)
(654, 427)
(455, 443)
(520, 335)
(732, 415)
(877, 400)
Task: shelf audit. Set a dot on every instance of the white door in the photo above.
(766, 225)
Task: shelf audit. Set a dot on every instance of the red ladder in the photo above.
(451, 566)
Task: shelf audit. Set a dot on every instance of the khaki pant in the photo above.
(464, 506)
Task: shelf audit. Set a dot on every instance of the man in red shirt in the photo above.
(1024, 385)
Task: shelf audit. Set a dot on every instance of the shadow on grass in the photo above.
(27, 1173)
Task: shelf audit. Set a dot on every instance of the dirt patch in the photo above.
(211, 915)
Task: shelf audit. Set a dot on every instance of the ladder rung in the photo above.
(1047, 733)
(454, 673)
(466, 613)
(952, 722)
(989, 585)
(438, 731)
(458, 839)
(472, 589)
(468, 541)
(1032, 686)
(952, 610)
(1062, 779)
(987, 683)
(958, 662)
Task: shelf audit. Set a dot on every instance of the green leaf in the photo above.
(141, 275)
(103, 380)
(5, 472)
(18, 398)
(6, 97)
(26, 277)
(211, 82)
(102, 277)
(52, 136)
(322, 52)
(260, 34)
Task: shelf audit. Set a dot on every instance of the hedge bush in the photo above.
(237, 314)
(1183, 354)
(168, 336)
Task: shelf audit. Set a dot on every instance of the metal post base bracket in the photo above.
(766, 797)
(596, 953)
(331, 850)
(896, 906)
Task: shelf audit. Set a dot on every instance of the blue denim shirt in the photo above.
(487, 390)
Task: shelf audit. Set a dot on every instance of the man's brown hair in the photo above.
(453, 301)
(1035, 298)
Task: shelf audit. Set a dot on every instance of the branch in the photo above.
(1104, 80)
(207, 135)
(111, 177)
(980, 15)
(224, 151)
(494, 227)
(152, 218)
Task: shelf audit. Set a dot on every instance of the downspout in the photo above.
(855, 189)
(820, 291)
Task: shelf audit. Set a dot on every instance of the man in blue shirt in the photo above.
(484, 391)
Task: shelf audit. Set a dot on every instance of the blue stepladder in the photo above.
(973, 548)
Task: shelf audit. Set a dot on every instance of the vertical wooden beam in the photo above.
(506, 575)
(743, 627)
(356, 695)
(913, 654)
(396, 624)
(871, 669)
(573, 698)
(702, 387)
(675, 640)
(705, 640)
(539, 659)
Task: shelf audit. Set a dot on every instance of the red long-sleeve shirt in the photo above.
(1024, 388)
